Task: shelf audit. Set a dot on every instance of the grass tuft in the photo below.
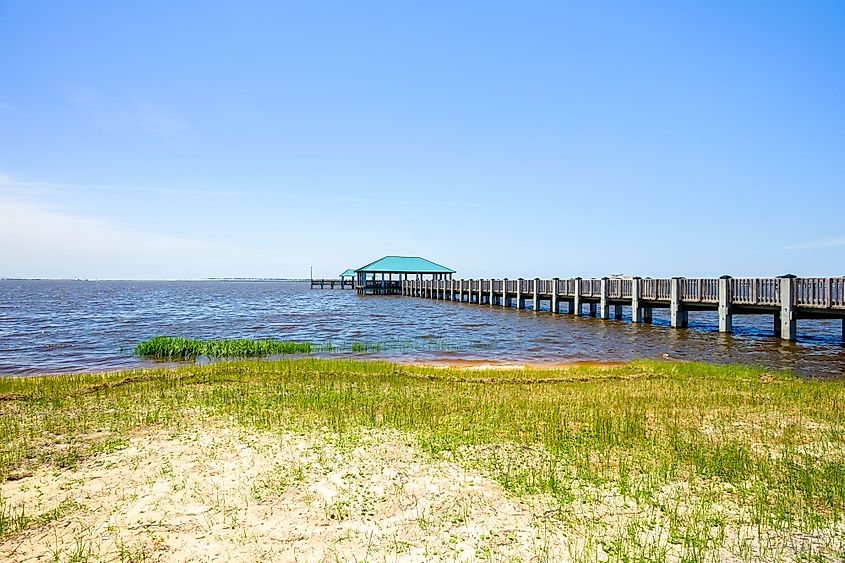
(174, 347)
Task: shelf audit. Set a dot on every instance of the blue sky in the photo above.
(205, 139)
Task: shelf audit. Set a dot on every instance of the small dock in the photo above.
(788, 298)
(344, 280)
(332, 283)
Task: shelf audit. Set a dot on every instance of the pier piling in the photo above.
(725, 316)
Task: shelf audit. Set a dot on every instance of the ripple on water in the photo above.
(67, 326)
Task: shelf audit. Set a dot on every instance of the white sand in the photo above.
(223, 494)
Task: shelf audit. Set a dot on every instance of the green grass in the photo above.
(174, 347)
(769, 445)
(180, 348)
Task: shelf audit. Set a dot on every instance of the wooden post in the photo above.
(505, 292)
(576, 300)
(490, 295)
(725, 315)
(604, 302)
(636, 311)
(555, 290)
(677, 316)
(519, 293)
(788, 316)
(536, 303)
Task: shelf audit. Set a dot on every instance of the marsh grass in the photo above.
(748, 449)
(174, 347)
(180, 348)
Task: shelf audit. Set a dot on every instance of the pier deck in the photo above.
(787, 298)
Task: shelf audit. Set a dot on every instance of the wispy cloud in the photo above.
(163, 123)
(825, 243)
(44, 241)
(111, 115)
(7, 183)
(434, 202)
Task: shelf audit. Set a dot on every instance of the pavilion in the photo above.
(347, 277)
(387, 274)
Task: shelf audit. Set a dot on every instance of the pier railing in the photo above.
(787, 298)
(755, 291)
(656, 289)
(820, 293)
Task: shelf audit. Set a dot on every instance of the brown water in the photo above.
(73, 326)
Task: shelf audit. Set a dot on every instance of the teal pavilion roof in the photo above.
(405, 265)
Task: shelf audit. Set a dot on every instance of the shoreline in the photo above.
(350, 459)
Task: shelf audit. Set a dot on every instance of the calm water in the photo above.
(71, 326)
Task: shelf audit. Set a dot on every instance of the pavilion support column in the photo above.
(451, 289)
(555, 290)
(677, 316)
(576, 300)
(490, 294)
(636, 311)
(480, 292)
(788, 314)
(725, 314)
(469, 291)
(519, 293)
(505, 292)
(536, 304)
(604, 302)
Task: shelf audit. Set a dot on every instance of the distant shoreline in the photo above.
(161, 280)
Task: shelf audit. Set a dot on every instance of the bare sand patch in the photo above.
(221, 493)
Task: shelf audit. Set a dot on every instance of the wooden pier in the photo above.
(332, 283)
(786, 298)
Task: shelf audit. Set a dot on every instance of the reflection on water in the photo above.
(71, 326)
